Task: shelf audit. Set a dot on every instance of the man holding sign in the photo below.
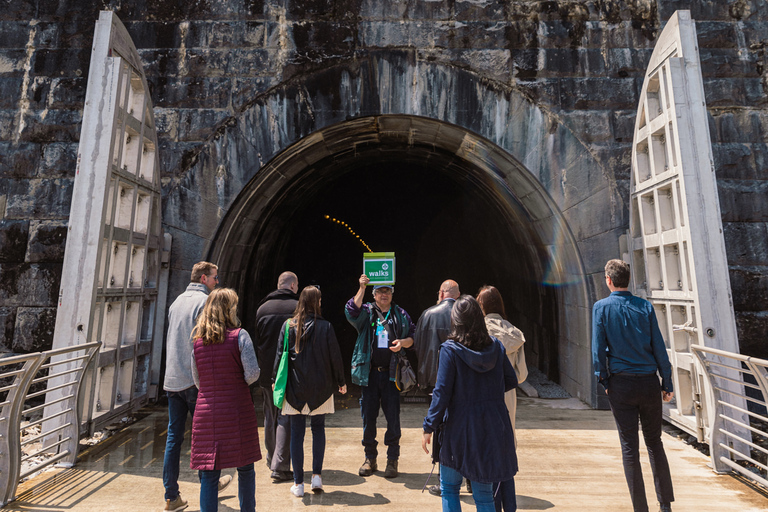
(383, 328)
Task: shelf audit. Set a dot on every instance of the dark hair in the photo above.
(490, 301)
(618, 271)
(468, 324)
(309, 304)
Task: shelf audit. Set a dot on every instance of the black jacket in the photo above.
(432, 330)
(274, 309)
(317, 370)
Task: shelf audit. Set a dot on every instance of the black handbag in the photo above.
(437, 443)
(405, 377)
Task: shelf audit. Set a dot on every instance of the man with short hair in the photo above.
(383, 328)
(628, 350)
(274, 309)
(179, 383)
(432, 330)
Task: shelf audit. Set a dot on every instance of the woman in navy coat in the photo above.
(468, 410)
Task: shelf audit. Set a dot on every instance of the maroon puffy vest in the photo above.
(224, 429)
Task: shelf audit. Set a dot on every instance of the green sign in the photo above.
(379, 267)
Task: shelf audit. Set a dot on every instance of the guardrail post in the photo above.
(10, 422)
(73, 417)
(716, 437)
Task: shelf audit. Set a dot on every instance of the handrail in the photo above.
(17, 375)
(735, 440)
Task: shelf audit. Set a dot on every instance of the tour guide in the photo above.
(383, 328)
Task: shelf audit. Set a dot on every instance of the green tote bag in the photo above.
(281, 380)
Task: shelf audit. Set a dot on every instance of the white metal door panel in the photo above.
(678, 251)
(112, 261)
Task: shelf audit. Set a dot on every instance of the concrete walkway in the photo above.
(570, 460)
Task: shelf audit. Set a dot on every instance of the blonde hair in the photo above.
(218, 315)
(309, 304)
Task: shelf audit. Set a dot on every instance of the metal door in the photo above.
(677, 247)
(112, 264)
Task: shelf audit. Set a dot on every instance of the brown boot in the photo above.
(391, 471)
(368, 467)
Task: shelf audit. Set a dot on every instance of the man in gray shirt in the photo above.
(179, 383)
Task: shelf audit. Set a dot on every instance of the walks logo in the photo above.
(379, 267)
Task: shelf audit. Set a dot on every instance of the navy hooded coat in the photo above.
(477, 440)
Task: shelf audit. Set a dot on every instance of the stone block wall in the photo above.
(580, 61)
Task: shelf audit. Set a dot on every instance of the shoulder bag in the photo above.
(405, 377)
(281, 379)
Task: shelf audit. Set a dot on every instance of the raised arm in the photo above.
(363, 281)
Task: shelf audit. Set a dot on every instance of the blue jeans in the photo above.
(298, 429)
(380, 392)
(450, 484)
(179, 404)
(246, 489)
(504, 496)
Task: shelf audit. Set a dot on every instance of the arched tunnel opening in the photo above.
(442, 216)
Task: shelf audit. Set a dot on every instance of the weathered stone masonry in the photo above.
(208, 62)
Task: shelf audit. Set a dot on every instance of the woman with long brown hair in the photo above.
(512, 338)
(224, 429)
(315, 370)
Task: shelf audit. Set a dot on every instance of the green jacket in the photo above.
(361, 319)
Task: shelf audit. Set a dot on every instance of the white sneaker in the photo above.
(317, 484)
(297, 490)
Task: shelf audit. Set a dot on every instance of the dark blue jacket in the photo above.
(477, 440)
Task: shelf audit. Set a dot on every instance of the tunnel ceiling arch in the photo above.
(488, 127)
(478, 165)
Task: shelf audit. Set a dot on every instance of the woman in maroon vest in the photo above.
(224, 429)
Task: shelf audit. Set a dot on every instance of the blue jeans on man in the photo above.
(380, 393)
(246, 489)
(450, 485)
(180, 403)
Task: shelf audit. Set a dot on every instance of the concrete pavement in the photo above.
(570, 460)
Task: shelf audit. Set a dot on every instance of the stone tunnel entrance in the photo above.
(448, 204)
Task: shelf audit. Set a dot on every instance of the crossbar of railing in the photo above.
(52, 460)
(53, 388)
(59, 443)
(736, 408)
(733, 445)
(752, 445)
(743, 471)
(40, 407)
(36, 438)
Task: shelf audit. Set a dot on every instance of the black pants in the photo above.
(633, 398)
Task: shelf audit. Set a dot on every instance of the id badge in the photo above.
(382, 337)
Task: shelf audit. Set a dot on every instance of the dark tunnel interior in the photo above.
(442, 221)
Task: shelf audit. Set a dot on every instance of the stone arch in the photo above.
(525, 162)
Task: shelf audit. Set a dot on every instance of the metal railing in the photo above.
(739, 435)
(34, 389)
